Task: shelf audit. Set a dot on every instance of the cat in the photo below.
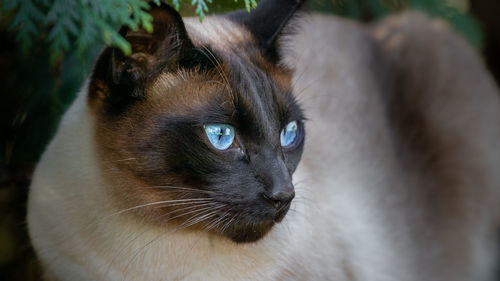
(189, 159)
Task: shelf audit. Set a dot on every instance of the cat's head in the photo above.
(199, 127)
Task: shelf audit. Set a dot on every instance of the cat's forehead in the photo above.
(245, 93)
(185, 92)
(240, 80)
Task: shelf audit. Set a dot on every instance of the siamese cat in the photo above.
(240, 149)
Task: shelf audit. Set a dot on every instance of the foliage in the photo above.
(79, 24)
(373, 9)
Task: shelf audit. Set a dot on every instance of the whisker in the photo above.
(185, 203)
(154, 203)
(215, 222)
(200, 219)
(213, 59)
(144, 247)
(191, 212)
(228, 223)
(216, 82)
(181, 188)
(282, 207)
(126, 159)
(189, 222)
(197, 204)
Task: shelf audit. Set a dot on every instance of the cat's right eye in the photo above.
(289, 134)
(221, 136)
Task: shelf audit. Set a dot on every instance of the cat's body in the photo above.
(397, 180)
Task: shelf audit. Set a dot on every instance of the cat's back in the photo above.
(402, 142)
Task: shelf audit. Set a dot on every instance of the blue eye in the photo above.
(221, 136)
(289, 134)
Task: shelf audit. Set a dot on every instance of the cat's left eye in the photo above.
(289, 135)
(221, 136)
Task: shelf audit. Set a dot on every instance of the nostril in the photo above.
(270, 200)
(283, 196)
(279, 199)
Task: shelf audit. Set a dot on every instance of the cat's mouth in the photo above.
(281, 213)
(246, 232)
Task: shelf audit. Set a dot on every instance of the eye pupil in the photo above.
(221, 136)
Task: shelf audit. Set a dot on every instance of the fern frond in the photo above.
(66, 24)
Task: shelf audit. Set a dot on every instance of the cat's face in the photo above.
(198, 135)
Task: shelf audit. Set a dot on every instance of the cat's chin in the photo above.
(248, 233)
(254, 229)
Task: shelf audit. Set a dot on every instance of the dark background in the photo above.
(36, 87)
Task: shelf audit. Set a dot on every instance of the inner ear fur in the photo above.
(120, 79)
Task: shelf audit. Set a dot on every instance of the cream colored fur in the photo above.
(363, 209)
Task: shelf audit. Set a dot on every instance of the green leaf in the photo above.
(147, 23)
(249, 4)
(176, 4)
(9, 5)
(201, 7)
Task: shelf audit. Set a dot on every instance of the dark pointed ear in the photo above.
(119, 79)
(268, 22)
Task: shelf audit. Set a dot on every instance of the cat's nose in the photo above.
(281, 197)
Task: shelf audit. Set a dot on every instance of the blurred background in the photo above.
(47, 48)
